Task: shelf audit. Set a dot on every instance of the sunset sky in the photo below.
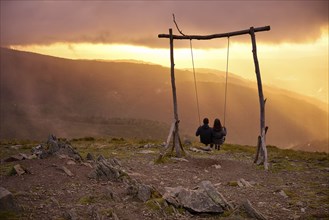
(293, 54)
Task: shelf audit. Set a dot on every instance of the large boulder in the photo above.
(56, 146)
(107, 169)
(7, 202)
(140, 191)
(204, 199)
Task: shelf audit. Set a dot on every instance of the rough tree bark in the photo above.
(262, 137)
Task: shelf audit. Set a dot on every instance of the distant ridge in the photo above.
(38, 92)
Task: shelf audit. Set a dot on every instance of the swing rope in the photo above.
(227, 58)
(226, 78)
(196, 89)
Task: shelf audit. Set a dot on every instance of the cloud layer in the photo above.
(139, 22)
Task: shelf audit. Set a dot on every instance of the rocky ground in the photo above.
(60, 187)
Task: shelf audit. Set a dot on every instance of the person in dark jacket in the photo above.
(218, 134)
(205, 133)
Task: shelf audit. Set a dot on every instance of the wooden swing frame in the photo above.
(174, 131)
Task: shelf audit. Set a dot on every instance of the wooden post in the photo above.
(262, 138)
(176, 138)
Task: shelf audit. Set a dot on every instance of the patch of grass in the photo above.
(291, 194)
(11, 147)
(8, 215)
(107, 212)
(298, 155)
(233, 183)
(226, 213)
(153, 204)
(7, 169)
(86, 200)
(162, 159)
(284, 165)
(160, 204)
(117, 140)
(250, 150)
(147, 141)
(17, 142)
(291, 160)
(83, 139)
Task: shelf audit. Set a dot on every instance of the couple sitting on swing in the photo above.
(213, 136)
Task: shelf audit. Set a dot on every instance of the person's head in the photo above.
(205, 121)
(217, 124)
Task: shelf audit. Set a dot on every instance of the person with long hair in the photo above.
(218, 134)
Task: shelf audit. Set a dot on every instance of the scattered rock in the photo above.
(179, 159)
(217, 166)
(107, 170)
(90, 157)
(239, 183)
(62, 156)
(19, 170)
(205, 148)
(38, 150)
(140, 191)
(71, 162)
(94, 212)
(252, 211)
(243, 183)
(215, 195)
(100, 158)
(87, 164)
(67, 171)
(204, 199)
(7, 202)
(109, 193)
(115, 216)
(16, 147)
(187, 142)
(70, 215)
(144, 192)
(149, 145)
(14, 158)
(146, 152)
(283, 194)
(193, 149)
(55, 201)
(299, 203)
(116, 162)
(55, 146)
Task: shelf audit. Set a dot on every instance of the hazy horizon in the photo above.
(293, 55)
(44, 94)
(203, 70)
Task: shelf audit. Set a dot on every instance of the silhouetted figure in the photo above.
(218, 134)
(205, 132)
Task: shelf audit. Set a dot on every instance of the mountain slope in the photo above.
(42, 94)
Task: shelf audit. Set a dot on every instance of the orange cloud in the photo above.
(139, 22)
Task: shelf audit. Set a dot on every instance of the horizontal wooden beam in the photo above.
(208, 37)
